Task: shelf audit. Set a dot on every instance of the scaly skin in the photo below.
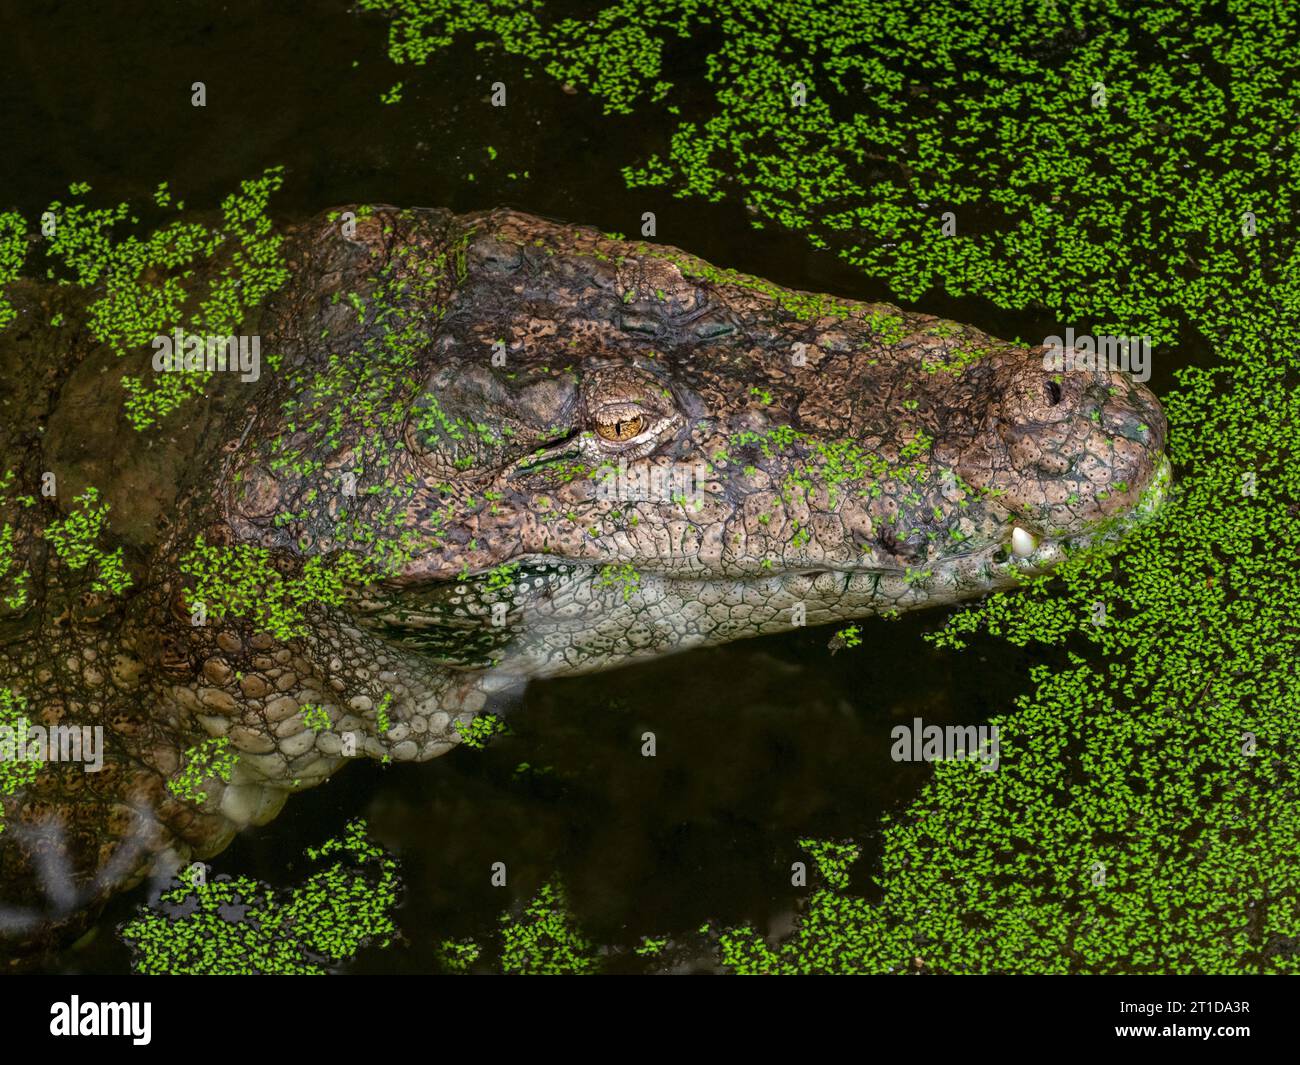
(853, 459)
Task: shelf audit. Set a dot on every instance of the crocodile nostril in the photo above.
(1053, 391)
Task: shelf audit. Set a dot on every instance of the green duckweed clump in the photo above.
(14, 576)
(143, 284)
(243, 581)
(13, 251)
(458, 955)
(75, 542)
(624, 578)
(545, 939)
(15, 773)
(213, 759)
(315, 717)
(241, 926)
(479, 732)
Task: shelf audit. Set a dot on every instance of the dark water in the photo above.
(760, 742)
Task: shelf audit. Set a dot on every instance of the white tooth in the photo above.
(1022, 543)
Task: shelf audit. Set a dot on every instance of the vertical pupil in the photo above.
(622, 428)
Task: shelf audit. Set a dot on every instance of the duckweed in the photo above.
(242, 926)
(213, 759)
(15, 773)
(74, 539)
(135, 306)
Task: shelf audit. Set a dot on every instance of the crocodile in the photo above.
(485, 448)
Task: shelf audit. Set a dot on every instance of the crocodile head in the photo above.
(490, 447)
(590, 450)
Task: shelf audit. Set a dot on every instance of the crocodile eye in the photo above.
(619, 429)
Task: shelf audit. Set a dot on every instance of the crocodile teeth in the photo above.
(1022, 543)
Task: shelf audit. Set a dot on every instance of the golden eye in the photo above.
(620, 428)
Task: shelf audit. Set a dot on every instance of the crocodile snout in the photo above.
(1079, 445)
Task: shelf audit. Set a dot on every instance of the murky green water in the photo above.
(759, 743)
